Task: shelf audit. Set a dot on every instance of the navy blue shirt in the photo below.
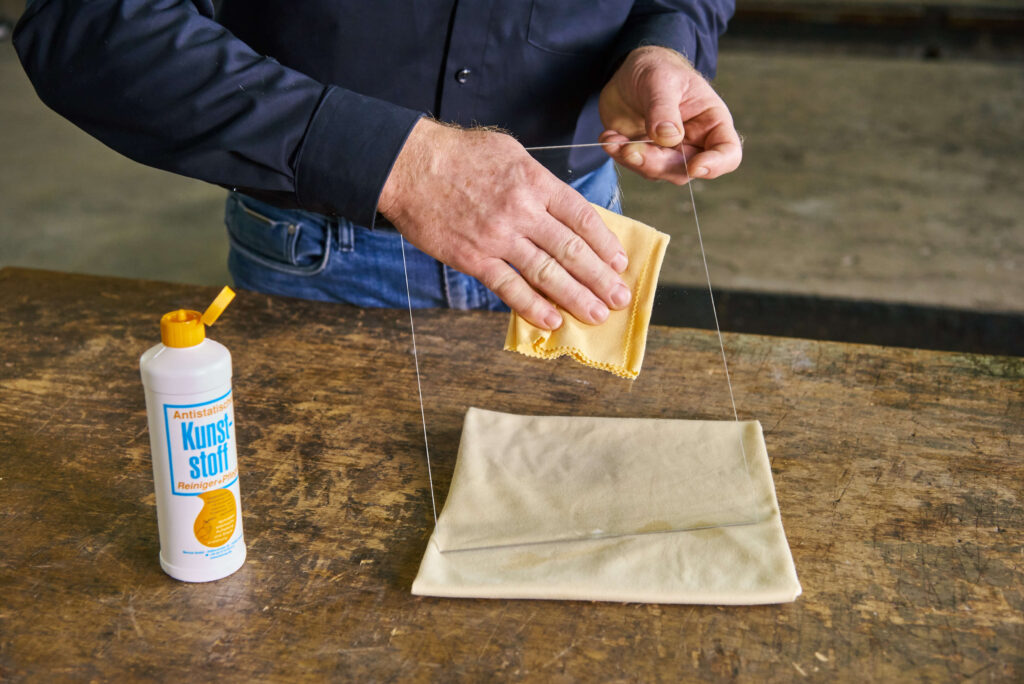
(307, 104)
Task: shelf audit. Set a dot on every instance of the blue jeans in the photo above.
(297, 253)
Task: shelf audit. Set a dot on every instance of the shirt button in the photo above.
(462, 75)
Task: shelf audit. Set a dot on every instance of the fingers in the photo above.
(559, 264)
(722, 153)
(543, 271)
(626, 152)
(570, 256)
(512, 288)
(718, 152)
(580, 242)
(613, 142)
(664, 122)
(714, 163)
(571, 209)
(537, 269)
(650, 161)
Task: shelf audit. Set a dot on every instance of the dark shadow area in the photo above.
(930, 31)
(840, 320)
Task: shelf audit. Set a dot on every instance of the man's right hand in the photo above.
(477, 201)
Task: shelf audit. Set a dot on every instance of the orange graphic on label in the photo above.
(216, 522)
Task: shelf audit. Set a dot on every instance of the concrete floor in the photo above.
(69, 203)
(866, 179)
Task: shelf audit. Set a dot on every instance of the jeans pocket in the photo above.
(289, 241)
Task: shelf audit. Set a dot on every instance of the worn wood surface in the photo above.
(899, 475)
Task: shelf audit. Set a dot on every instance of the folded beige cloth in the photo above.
(617, 345)
(614, 509)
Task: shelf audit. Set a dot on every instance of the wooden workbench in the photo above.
(900, 476)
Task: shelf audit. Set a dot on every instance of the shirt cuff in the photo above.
(348, 152)
(676, 31)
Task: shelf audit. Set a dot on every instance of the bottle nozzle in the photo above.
(185, 328)
(218, 305)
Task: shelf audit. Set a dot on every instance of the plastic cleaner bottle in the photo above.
(187, 379)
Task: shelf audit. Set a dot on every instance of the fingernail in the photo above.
(620, 296)
(666, 129)
(553, 321)
(701, 171)
(599, 312)
(620, 262)
(635, 158)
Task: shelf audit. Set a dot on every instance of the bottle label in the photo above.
(201, 446)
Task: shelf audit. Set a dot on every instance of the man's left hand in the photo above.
(657, 94)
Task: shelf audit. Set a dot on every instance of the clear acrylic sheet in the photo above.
(703, 483)
(671, 510)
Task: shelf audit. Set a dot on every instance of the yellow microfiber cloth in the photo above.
(617, 345)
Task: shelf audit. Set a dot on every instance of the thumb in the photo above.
(664, 123)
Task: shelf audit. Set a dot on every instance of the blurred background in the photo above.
(880, 200)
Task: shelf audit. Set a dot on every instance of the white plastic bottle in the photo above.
(187, 379)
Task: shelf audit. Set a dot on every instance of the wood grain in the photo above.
(899, 475)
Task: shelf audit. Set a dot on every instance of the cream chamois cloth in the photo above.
(611, 509)
(617, 345)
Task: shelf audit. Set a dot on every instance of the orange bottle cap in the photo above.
(187, 328)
